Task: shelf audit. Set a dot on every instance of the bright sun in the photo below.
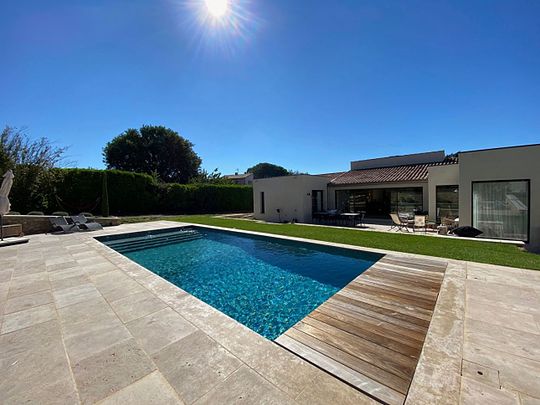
(217, 8)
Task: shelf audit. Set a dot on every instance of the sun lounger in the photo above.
(59, 224)
(87, 224)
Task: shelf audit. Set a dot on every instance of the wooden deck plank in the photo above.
(371, 332)
(341, 371)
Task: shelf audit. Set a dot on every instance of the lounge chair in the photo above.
(86, 224)
(398, 222)
(420, 221)
(59, 224)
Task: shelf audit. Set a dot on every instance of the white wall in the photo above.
(517, 163)
(290, 194)
(446, 175)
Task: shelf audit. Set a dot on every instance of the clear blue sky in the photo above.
(306, 84)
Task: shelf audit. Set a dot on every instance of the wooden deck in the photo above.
(370, 334)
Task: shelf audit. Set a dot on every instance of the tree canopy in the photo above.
(16, 148)
(265, 170)
(155, 150)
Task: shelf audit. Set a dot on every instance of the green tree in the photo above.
(155, 150)
(30, 161)
(265, 170)
(207, 177)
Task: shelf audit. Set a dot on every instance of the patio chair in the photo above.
(420, 222)
(60, 225)
(398, 222)
(450, 223)
(86, 224)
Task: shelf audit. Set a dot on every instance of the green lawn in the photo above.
(483, 252)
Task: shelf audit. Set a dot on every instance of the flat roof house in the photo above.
(494, 190)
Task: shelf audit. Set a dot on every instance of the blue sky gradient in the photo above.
(310, 85)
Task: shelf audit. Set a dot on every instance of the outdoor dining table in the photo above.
(341, 219)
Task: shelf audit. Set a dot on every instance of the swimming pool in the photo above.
(265, 283)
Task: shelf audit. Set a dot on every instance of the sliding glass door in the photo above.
(447, 200)
(501, 209)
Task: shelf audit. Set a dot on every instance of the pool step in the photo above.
(151, 241)
(151, 238)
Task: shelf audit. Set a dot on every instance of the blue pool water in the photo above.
(266, 284)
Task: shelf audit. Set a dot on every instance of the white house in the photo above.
(494, 190)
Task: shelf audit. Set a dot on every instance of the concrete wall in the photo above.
(517, 163)
(447, 175)
(332, 190)
(290, 194)
(32, 224)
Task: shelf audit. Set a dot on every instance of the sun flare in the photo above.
(217, 8)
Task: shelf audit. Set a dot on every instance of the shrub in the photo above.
(78, 190)
(205, 198)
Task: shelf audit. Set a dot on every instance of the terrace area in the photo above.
(81, 323)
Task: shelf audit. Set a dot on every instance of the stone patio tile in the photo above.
(66, 273)
(74, 295)
(434, 383)
(515, 372)
(29, 284)
(68, 282)
(483, 374)
(137, 305)
(28, 301)
(520, 297)
(90, 327)
(152, 389)
(157, 330)
(4, 289)
(34, 367)
(507, 318)
(528, 400)
(517, 306)
(512, 341)
(28, 317)
(285, 370)
(195, 364)
(326, 389)
(67, 264)
(475, 393)
(58, 255)
(245, 386)
(99, 268)
(116, 284)
(25, 268)
(5, 275)
(107, 372)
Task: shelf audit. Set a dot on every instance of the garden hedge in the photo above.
(77, 190)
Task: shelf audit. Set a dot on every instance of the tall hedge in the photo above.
(205, 198)
(77, 190)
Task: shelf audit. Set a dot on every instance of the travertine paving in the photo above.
(80, 323)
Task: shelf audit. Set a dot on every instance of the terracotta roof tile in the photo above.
(392, 174)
